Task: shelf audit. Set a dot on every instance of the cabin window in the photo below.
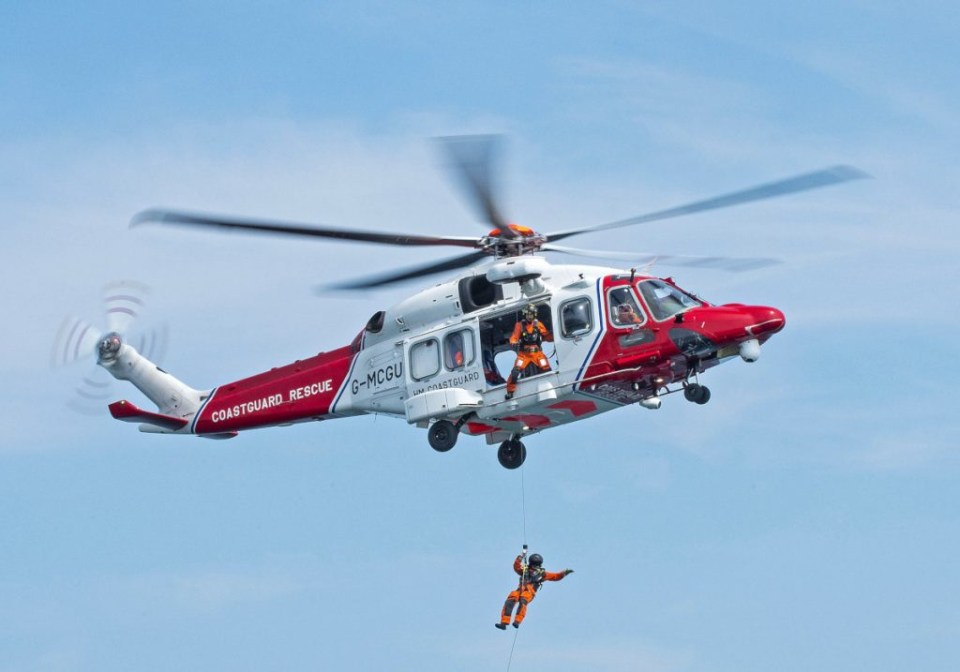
(665, 300)
(624, 309)
(424, 359)
(458, 349)
(576, 317)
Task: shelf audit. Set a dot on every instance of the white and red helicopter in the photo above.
(439, 359)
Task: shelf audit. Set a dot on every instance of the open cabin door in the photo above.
(499, 356)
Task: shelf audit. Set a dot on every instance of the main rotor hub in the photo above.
(524, 241)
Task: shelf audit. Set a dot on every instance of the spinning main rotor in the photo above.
(472, 159)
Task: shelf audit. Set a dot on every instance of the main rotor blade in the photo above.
(161, 216)
(732, 264)
(471, 159)
(814, 180)
(409, 273)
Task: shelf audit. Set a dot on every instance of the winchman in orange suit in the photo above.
(528, 335)
(532, 575)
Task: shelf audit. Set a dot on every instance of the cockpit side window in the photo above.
(624, 310)
(665, 300)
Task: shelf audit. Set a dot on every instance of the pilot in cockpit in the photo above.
(624, 315)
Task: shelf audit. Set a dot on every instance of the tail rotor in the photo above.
(78, 339)
(123, 302)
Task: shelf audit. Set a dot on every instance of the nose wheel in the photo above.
(511, 453)
(698, 394)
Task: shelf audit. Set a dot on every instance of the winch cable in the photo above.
(523, 510)
(516, 633)
(523, 505)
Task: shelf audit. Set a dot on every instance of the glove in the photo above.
(567, 571)
(524, 549)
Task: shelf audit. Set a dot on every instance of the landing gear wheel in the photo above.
(442, 435)
(512, 453)
(698, 394)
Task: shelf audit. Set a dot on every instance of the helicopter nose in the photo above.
(766, 320)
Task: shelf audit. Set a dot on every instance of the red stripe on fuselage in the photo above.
(480, 428)
(530, 420)
(576, 407)
(304, 390)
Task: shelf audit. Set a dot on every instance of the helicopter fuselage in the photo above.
(444, 358)
(444, 354)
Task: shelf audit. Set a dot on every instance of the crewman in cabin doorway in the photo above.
(532, 575)
(528, 335)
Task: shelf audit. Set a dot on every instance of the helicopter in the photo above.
(439, 358)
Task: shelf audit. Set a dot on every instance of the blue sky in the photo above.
(806, 518)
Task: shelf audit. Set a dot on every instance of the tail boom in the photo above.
(176, 401)
(305, 390)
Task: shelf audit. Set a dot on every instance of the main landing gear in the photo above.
(512, 453)
(443, 435)
(698, 394)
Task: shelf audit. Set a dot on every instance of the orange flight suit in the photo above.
(530, 580)
(528, 336)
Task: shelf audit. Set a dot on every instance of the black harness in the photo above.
(528, 339)
(532, 576)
